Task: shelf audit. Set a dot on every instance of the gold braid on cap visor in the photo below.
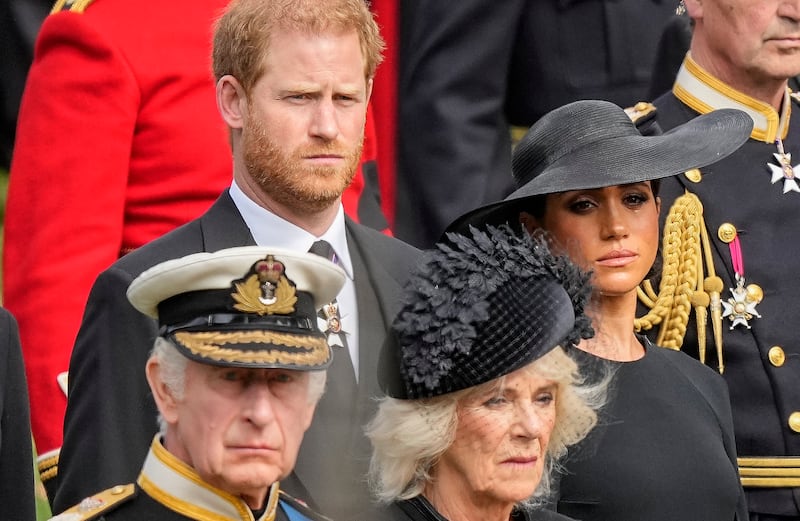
(311, 350)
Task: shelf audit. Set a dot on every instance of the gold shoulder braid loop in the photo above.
(686, 249)
(76, 6)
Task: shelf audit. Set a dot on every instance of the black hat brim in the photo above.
(622, 160)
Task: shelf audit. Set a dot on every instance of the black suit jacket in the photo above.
(16, 455)
(111, 417)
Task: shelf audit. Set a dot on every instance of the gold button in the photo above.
(693, 175)
(777, 356)
(726, 232)
(754, 293)
(794, 421)
(119, 489)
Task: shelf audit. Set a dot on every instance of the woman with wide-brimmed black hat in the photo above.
(588, 180)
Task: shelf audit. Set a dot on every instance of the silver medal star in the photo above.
(784, 169)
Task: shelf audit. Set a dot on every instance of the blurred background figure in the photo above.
(469, 70)
(16, 454)
(481, 399)
(19, 24)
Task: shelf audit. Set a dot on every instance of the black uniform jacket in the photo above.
(167, 489)
(741, 197)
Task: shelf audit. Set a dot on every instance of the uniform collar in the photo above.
(177, 486)
(702, 92)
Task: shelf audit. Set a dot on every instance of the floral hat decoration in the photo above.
(479, 307)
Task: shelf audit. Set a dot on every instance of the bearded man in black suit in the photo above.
(294, 92)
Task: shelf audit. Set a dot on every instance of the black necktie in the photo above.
(323, 249)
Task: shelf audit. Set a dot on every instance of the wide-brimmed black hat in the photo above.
(478, 308)
(593, 144)
(242, 307)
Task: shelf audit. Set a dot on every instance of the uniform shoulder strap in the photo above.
(76, 6)
(643, 115)
(101, 503)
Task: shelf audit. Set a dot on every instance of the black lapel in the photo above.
(222, 226)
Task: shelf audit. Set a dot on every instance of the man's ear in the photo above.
(231, 101)
(370, 84)
(165, 400)
(529, 222)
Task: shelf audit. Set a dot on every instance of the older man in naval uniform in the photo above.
(741, 213)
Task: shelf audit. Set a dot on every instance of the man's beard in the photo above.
(284, 178)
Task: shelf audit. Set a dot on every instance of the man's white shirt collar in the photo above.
(270, 230)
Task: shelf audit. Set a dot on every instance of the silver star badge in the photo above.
(740, 307)
(784, 170)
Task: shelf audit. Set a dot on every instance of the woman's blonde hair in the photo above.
(409, 436)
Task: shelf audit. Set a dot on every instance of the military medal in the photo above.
(784, 169)
(330, 321)
(740, 308)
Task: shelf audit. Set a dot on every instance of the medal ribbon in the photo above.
(736, 257)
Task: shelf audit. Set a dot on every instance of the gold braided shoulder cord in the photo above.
(685, 247)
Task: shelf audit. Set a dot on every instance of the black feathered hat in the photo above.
(478, 308)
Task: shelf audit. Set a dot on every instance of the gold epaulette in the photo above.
(100, 503)
(76, 6)
(688, 281)
(641, 112)
(770, 472)
(47, 464)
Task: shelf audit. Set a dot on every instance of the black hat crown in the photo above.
(479, 308)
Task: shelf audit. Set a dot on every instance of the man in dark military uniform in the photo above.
(236, 372)
(731, 241)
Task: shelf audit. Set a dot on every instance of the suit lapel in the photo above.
(222, 226)
(376, 294)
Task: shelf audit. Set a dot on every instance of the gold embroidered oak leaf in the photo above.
(248, 293)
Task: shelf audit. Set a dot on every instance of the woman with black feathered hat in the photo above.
(482, 400)
(665, 448)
